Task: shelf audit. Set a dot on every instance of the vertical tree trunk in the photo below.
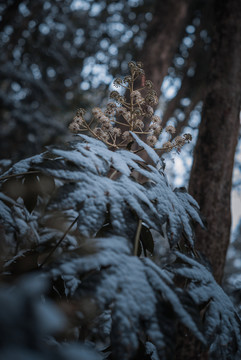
(163, 38)
(211, 175)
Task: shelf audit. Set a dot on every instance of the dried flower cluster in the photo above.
(121, 116)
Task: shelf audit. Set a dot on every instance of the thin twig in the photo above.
(139, 150)
(142, 132)
(127, 105)
(59, 242)
(120, 123)
(91, 121)
(113, 174)
(138, 232)
(98, 137)
(19, 174)
(126, 87)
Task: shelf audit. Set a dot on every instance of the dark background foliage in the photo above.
(57, 53)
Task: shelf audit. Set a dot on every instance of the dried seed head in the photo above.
(109, 111)
(156, 128)
(131, 65)
(139, 71)
(151, 100)
(187, 137)
(153, 126)
(120, 99)
(179, 141)
(120, 110)
(149, 111)
(151, 140)
(117, 82)
(97, 111)
(127, 79)
(156, 119)
(74, 127)
(126, 135)
(111, 105)
(110, 108)
(156, 100)
(127, 116)
(137, 113)
(79, 120)
(105, 136)
(170, 129)
(140, 100)
(114, 94)
(132, 114)
(139, 123)
(140, 64)
(152, 92)
(148, 84)
(167, 146)
(116, 131)
(80, 112)
(103, 119)
(106, 126)
(135, 94)
(98, 131)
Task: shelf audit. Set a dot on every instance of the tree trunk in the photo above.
(163, 37)
(211, 175)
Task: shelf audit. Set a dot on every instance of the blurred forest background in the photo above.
(59, 55)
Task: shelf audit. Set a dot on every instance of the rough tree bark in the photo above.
(211, 175)
(163, 37)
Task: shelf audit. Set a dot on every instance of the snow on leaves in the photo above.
(222, 325)
(106, 193)
(23, 165)
(95, 180)
(94, 194)
(142, 297)
(18, 224)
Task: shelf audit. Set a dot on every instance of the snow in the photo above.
(130, 287)
(134, 291)
(220, 317)
(81, 171)
(150, 152)
(151, 350)
(5, 213)
(24, 165)
(93, 190)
